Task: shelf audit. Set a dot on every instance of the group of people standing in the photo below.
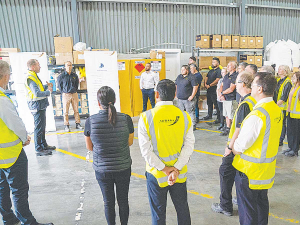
(166, 141)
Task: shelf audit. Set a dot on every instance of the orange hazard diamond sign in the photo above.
(139, 67)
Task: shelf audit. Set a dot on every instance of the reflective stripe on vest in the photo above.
(153, 136)
(263, 158)
(283, 106)
(10, 144)
(30, 95)
(295, 101)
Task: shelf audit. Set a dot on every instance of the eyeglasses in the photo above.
(240, 81)
(255, 85)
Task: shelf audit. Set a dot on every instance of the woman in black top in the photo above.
(109, 134)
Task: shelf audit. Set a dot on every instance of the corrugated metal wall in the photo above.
(273, 24)
(122, 26)
(31, 24)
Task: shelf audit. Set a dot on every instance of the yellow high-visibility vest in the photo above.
(10, 144)
(166, 126)
(258, 162)
(295, 105)
(283, 106)
(251, 103)
(30, 95)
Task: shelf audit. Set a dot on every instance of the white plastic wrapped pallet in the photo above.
(280, 54)
(295, 53)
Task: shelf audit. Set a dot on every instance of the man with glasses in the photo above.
(68, 85)
(255, 152)
(227, 171)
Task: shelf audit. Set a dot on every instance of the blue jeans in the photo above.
(283, 132)
(107, 182)
(148, 93)
(39, 129)
(15, 179)
(158, 201)
(197, 107)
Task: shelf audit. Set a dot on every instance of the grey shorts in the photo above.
(229, 108)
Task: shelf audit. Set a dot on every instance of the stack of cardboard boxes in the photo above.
(63, 50)
(4, 53)
(252, 59)
(84, 103)
(229, 41)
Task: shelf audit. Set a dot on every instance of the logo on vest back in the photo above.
(170, 122)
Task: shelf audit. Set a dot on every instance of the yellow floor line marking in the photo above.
(208, 153)
(197, 193)
(138, 176)
(215, 131)
(297, 171)
(281, 218)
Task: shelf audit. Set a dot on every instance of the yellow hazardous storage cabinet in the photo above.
(137, 68)
(125, 86)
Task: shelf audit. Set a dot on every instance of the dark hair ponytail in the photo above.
(107, 97)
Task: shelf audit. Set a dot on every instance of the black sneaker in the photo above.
(43, 152)
(220, 127)
(217, 121)
(207, 117)
(194, 127)
(67, 128)
(286, 151)
(217, 208)
(225, 132)
(78, 126)
(197, 120)
(280, 143)
(291, 154)
(49, 147)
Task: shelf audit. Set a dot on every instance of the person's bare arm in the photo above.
(215, 82)
(130, 139)
(195, 89)
(88, 143)
(229, 90)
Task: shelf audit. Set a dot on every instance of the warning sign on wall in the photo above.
(156, 65)
(139, 67)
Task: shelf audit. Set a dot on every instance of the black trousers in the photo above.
(293, 133)
(283, 132)
(227, 174)
(212, 101)
(222, 118)
(253, 204)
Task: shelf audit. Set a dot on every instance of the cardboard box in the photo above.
(295, 69)
(243, 58)
(5, 59)
(251, 42)
(216, 40)
(63, 44)
(84, 104)
(78, 57)
(224, 60)
(6, 51)
(205, 62)
(250, 59)
(203, 41)
(243, 41)
(84, 96)
(157, 54)
(259, 42)
(226, 41)
(258, 60)
(59, 113)
(235, 41)
(62, 58)
(85, 111)
(82, 85)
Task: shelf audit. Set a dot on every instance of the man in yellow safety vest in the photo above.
(166, 141)
(13, 159)
(255, 152)
(37, 99)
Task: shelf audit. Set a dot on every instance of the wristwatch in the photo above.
(229, 148)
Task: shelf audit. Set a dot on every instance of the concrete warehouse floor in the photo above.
(55, 183)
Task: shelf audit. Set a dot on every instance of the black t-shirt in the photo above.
(242, 112)
(87, 128)
(212, 76)
(285, 92)
(227, 81)
(185, 86)
(199, 79)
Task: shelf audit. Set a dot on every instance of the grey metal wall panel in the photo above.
(289, 3)
(273, 24)
(122, 26)
(31, 24)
